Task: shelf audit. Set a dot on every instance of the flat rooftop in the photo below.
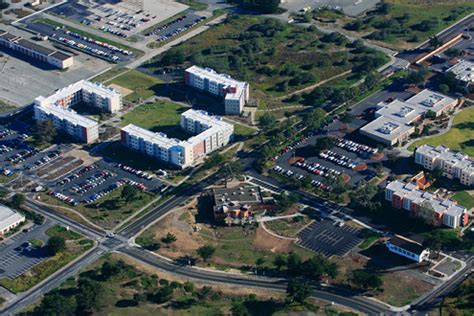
(386, 128)
(69, 115)
(9, 217)
(463, 70)
(244, 194)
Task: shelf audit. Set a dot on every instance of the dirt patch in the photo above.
(124, 91)
(377, 157)
(293, 160)
(65, 169)
(83, 155)
(346, 178)
(360, 167)
(265, 241)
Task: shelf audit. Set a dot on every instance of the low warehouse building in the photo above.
(9, 219)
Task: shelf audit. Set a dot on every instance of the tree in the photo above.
(443, 88)
(112, 268)
(232, 169)
(433, 242)
(285, 201)
(267, 121)
(346, 117)
(17, 201)
(206, 252)
(163, 294)
(53, 303)
(89, 295)
(213, 160)
(188, 287)
(314, 119)
(362, 197)
(365, 279)
(298, 290)
(129, 193)
(55, 244)
(259, 263)
(44, 132)
(435, 42)
(279, 261)
(324, 143)
(426, 213)
(169, 238)
(239, 309)
(4, 5)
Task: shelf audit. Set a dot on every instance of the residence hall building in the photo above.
(28, 48)
(407, 248)
(235, 93)
(394, 121)
(210, 133)
(57, 108)
(9, 219)
(237, 204)
(455, 165)
(408, 197)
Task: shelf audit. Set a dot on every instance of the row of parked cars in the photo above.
(138, 173)
(176, 31)
(76, 175)
(290, 147)
(105, 191)
(23, 155)
(339, 159)
(138, 185)
(63, 198)
(290, 173)
(6, 132)
(86, 48)
(92, 182)
(318, 169)
(5, 149)
(357, 148)
(50, 156)
(99, 43)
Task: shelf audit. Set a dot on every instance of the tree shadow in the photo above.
(125, 303)
(465, 125)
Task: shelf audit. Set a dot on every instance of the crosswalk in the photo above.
(327, 240)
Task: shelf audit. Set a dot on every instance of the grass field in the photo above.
(115, 71)
(276, 58)
(288, 227)
(464, 198)
(160, 116)
(4, 106)
(459, 137)
(143, 86)
(242, 130)
(74, 248)
(403, 24)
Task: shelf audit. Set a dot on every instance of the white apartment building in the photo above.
(68, 121)
(33, 50)
(235, 93)
(394, 121)
(92, 93)
(453, 164)
(407, 248)
(9, 219)
(211, 133)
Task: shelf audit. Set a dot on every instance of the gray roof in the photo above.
(60, 55)
(245, 194)
(35, 47)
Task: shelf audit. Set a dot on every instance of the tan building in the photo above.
(455, 165)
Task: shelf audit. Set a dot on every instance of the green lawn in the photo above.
(160, 116)
(142, 85)
(460, 137)
(109, 74)
(464, 198)
(242, 130)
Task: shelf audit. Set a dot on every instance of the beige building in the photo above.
(394, 121)
(9, 219)
(453, 164)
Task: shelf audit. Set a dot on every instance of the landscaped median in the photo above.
(75, 245)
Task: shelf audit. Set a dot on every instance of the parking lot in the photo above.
(329, 238)
(170, 29)
(87, 184)
(18, 256)
(82, 43)
(346, 159)
(120, 18)
(22, 79)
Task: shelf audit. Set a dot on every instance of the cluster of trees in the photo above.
(285, 201)
(387, 25)
(363, 198)
(366, 280)
(312, 269)
(261, 6)
(44, 132)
